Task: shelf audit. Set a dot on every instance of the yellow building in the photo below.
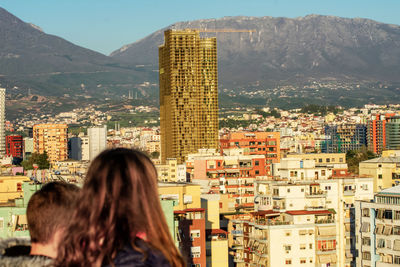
(188, 195)
(384, 170)
(11, 187)
(53, 139)
(188, 94)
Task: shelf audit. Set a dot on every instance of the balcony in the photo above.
(318, 194)
(325, 221)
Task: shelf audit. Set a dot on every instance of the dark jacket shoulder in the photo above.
(130, 257)
(15, 252)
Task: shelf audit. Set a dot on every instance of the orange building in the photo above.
(376, 133)
(192, 235)
(53, 139)
(254, 143)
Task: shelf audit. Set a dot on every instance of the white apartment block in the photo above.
(378, 229)
(335, 194)
(97, 140)
(85, 148)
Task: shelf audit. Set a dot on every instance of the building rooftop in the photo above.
(391, 191)
(383, 160)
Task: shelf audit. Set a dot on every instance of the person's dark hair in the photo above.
(48, 209)
(119, 201)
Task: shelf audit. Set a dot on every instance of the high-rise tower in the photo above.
(188, 93)
(2, 121)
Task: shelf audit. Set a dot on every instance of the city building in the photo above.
(15, 193)
(190, 220)
(85, 148)
(97, 140)
(231, 175)
(28, 147)
(378, 229)
(171, 171)
(253, 143)
(75, 148)
(14, 146)
(188, 94)
(322, 159)
(52, 139)
(376, 133)
(2, 121)
(393, 133)
(345, 137)
(335, 194)
(385, 171)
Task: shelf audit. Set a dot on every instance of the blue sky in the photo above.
(106, 25)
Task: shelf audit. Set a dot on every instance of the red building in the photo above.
(254, 143)
(14, 146)
(192, 235)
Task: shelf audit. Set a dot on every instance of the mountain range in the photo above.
(359, 55)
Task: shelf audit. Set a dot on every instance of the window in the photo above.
(310, 245)
(341, 160)
(380, 176)
(396, 215)
(366, 241)
(287, 247)
(288, 261)
(328, 160)
(303, 261)
(323, 172)
(288, 190)
(302, 246)
(320, 160)
(257, 172)
(366, 256)
(365, 212)
(257, 163)
(194, 234)
(195, 252)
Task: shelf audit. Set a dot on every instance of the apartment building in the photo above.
(336, 194)
(378, 229)
(171, 171)
(253, 143)
(342, 138)
(14, 146)
(292, 238)
(232, 175)
(322, 159)
(385, 171)
(51, 138)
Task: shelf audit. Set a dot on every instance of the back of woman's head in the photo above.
(118, 202)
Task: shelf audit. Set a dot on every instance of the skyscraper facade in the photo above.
(2, 121)
(188, 94)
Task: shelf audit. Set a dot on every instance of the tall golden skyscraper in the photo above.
(188, 93)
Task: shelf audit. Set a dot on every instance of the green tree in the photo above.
(42, 160)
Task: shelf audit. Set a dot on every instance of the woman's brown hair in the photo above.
(119, 201)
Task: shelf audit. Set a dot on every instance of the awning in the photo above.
(22, 219)
(326, 231)
(324, 258)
